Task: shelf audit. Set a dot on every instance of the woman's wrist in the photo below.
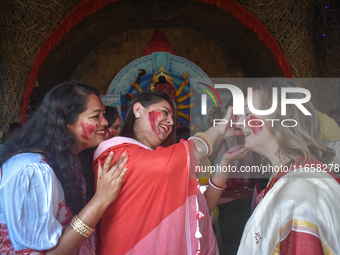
(205, 141)
(226, 162)
(214, 134)
(220, 177)
(218, 184)
(99, 203)
(81, 227)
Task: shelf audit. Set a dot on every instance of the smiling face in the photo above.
(155, 123)
(114, 130)
(257, 135)
(89, 129)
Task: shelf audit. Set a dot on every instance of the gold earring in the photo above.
(137, 115)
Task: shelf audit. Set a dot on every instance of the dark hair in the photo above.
(111, 114)
(146, 98)
(14, 126)
(47, 131)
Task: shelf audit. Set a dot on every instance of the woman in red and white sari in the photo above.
(160, 209)
(299, 211)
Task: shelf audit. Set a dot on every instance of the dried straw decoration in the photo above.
(296, 26)
(308, 35)
(24, 27)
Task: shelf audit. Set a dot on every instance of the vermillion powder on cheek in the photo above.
(256, 124)
(87, 130)
(153, 116)
(111, 134)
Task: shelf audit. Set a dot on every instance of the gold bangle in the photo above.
(81, 227)
(208, 141)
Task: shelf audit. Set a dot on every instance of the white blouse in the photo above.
(30, 195)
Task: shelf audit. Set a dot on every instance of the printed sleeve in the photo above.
(30, 207)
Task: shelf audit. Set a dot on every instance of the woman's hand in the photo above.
(109, 182)
(228, 158)
(220, 178)
(110, 177)
(226, 127)
(234, 153)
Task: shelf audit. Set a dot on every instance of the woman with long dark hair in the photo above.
(45, 207)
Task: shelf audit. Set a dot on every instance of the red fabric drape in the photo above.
(88, 7)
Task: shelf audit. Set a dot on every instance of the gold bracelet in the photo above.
(206, 138)
(79, 226)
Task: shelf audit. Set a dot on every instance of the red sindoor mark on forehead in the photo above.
(101, 103)
(153, 116)
(171, 111)
(256, 124)
(87, 129)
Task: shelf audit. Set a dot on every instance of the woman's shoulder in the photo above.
(118, 143)
(305, 184)
(26, 158)
(25, 164)
(181, 145)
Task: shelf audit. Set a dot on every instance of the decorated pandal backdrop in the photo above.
(123, 47)
(158, 71)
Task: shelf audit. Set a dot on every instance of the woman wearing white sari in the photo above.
(299, 211)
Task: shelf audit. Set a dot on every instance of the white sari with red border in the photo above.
(300, 214)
